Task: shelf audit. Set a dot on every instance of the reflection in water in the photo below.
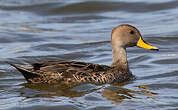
(114, 93)
(119, 95)
(47, 90)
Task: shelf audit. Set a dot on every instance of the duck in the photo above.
(76, 73)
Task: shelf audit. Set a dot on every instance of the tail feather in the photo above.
(25, 72)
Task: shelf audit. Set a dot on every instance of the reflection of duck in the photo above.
(117, 94)
(71, 72)
(48, 90)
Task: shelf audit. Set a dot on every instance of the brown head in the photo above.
(125, 35)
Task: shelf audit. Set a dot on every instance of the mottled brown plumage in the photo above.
(72, 73)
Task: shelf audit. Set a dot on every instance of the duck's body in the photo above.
(71, 72)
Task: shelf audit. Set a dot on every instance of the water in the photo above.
(42, 30)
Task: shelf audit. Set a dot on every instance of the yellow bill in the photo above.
(142, 44)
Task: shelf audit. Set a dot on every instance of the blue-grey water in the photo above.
(43, 30)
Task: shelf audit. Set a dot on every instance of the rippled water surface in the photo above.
(43, 30)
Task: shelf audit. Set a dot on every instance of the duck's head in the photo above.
(125, 35)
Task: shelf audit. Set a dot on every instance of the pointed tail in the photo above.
(25, 72)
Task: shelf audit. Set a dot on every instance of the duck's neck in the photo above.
(119, 58)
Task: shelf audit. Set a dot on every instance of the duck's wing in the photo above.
(60, 71)
(63, 66)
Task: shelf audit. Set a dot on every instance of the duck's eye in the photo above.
(131, 32)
